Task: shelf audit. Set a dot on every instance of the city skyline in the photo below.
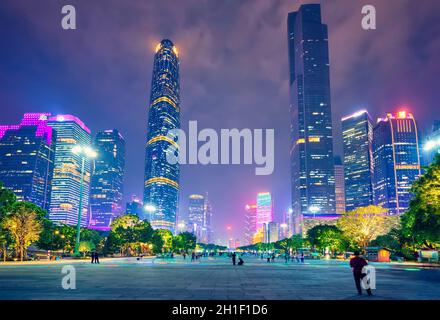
(54, 96)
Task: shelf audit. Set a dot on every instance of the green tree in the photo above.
(86, 246)
(421, 223)
(24, 224)
(167, 238)
(329, 237)
(365, 224)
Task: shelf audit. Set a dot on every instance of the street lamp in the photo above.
(84, 152)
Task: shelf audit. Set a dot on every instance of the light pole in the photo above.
(84, 152)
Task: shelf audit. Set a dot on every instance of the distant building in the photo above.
(273, 231)
(107, 179)
(264, 209)
(26, 158)
(357, 137)
(250, 227)
(339, 186)
(233, 244)
(135, 206)
(196, 215)
(64, 202)
(396, 161)
(208, 233)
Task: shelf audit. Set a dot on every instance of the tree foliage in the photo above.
(327, 237)
(365, 224)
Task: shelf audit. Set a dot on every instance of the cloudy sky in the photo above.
(234, 74)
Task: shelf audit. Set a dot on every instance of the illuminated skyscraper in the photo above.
(264, 209)
(64, 202)
(357, 136)
(339, 186)
(208, 234)
(196, 215)
(107, 179)
(26, 158)
(161, 185)
(273, 231)
(396, 161)
(312, 163)
(431, 146)
(250, 227)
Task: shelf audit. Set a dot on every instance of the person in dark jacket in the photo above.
(234, 256)
(357, 263)
(96, 257)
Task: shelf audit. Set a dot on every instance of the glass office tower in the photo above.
(26, 158)
(64, 203)
(312, 163)
(357, 137)
(161, 184)
(106, 188)
(196, 215)
(396, 161)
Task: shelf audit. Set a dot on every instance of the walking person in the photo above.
(357, 263)
(234, 256)
(96, 257)
(193, 255)
(302, 257)
(93, 256)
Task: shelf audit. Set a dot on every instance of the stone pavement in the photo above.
(213, 278)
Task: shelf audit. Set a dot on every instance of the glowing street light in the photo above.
(432, 144)
(84, 152)
(150, 208)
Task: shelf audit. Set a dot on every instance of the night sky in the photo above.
(234, 74)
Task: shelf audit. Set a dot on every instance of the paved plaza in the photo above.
(213, 278)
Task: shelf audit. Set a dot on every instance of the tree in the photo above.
(365, 224)
(24, 224)
(421, 222)
(86, 246)
(188, 241)
(167, 239)
(158, 242)
(327, 237)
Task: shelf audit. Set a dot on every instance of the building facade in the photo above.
(107, 180)
(64, 202)
(250, 223)
(312, 163)
(357, 137)
(196, 215)
(264, 209)
(273, 231)
(432, 144)
(208, 234)
(339, 186)
(135, 206)
(396, 161)
(161, 183)
(26, 158)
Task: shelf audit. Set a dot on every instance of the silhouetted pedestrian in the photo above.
(96, 257)
(234, 256)
(193, 255)
(240, 261)
(93, 256)
(357, 264)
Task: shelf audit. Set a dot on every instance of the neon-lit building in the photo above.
(26, 158)
(264, 209)
(107, 180)
(208, 234)
(396, 160)
(357, 137)
(250, 227)
(312, 162)
(64, 203)
(161, 184)
(196, 215)
(339, 186)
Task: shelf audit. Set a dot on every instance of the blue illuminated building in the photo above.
(161, 183)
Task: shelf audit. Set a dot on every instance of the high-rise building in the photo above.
(135, 206)
(396, 160)
(107, 180)
(339, 186)
(250, 227)
(357, 136)
(26, 158)
(312, 163)
(161, 185)
(208, 235)
(264, 209)
(196, 215)
(290, 222)
(64, 203)
(431, 146)
(273, 231)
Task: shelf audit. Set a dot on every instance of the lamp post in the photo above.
(84, 152)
